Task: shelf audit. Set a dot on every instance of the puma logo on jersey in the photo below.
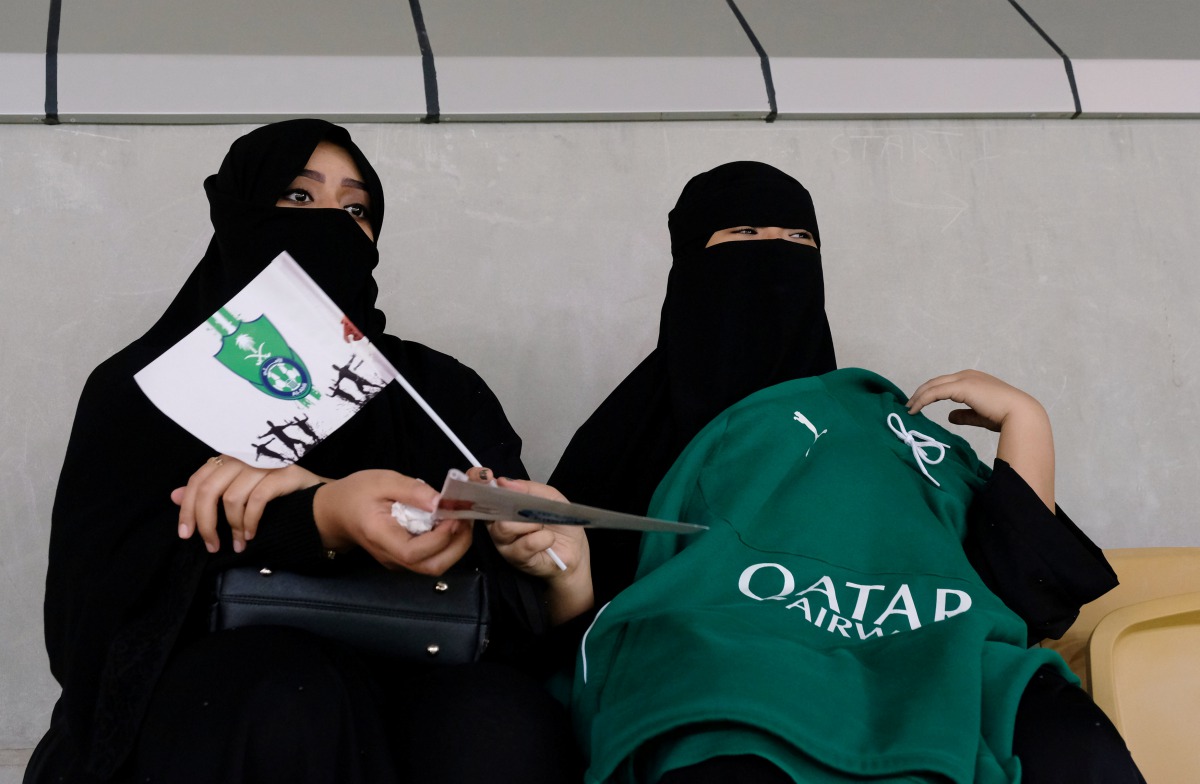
(804, 421)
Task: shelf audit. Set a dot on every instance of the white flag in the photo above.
(271, 374)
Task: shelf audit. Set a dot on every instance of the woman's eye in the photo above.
(746, 230)
(297, 195)
(357, 210)
(802, 235)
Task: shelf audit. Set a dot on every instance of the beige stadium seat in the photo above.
(1145, 674)
(1137, 651)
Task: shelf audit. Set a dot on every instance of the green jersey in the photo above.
(828, 620)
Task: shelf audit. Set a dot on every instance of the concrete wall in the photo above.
(1061, 256)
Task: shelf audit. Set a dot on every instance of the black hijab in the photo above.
(120, 583)
(738, 317)
(250, 231)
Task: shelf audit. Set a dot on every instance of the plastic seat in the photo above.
(1137, 651)
(1145, 674)
(1145, 573)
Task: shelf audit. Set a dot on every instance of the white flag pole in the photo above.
(437, 420)
(428, 409)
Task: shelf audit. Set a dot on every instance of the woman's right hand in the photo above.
(243, 490)
(357, 510)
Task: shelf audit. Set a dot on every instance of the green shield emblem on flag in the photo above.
(256, 351)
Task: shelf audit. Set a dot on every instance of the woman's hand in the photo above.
(991, 400)
(357, 510)
(1026, 440)
(242, 490)
(525, 546)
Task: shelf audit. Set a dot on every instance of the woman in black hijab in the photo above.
(148, 693)
(740, 316)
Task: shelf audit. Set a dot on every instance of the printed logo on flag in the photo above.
(258, 353)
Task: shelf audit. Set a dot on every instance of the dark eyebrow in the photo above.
(348, 182)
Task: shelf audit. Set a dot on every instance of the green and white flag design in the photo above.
(258, 353)
(270, 374)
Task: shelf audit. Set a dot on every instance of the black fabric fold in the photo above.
(1037, 561)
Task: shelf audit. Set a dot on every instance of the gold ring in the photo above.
(216, 460)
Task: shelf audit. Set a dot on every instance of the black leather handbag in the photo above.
(400, 615)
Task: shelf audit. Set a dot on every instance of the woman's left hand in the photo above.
(1026, 440)
(990, 400)
(525, 546)
(243, 490)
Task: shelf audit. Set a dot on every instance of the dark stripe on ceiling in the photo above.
(762, 58)
(1061, 53)
(433, 112)
(51, 117)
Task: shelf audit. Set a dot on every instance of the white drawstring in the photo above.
(583, 642)
(919, 443)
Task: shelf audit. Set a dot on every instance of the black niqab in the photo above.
(738, 317)
(250, 231)
(742, 193)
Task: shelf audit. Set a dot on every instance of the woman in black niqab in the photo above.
(740, 316)
(250, 231)
(148, 693)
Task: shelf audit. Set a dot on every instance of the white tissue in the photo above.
(415, 521)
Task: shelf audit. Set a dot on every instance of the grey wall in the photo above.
(1061, 256)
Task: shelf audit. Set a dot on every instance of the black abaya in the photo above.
(126, 598)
